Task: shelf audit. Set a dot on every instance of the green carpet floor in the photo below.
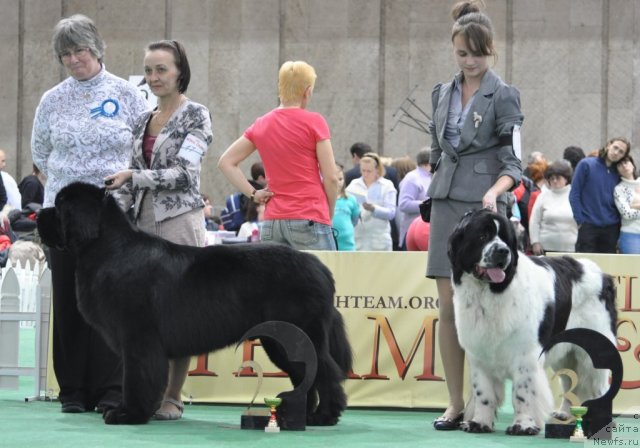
(41, 424)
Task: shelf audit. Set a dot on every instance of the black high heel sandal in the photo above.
(446, 424)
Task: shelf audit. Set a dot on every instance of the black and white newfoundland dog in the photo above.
(153, 300)
(507, 306)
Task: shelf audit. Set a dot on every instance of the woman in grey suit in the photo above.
(475, 153)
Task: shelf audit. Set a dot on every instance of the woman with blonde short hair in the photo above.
(295, 147)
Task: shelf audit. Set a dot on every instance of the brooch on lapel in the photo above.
(477, 119)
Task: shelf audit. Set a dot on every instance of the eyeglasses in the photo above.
(78, 53)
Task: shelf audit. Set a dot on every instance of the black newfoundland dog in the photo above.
(508, 306)
(154, 300)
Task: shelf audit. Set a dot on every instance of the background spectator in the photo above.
(250, 229)
(573, 154)
(32, 188)
(211, 221)
(417, 238)
(14, 198)
(534, 157)
(357, 151)
(403, 166)
(258, 176)
(627, 199)
(551, 227)
(536, 174)
(413, 191)
(346, 215)
(377, 198)
(592, 201)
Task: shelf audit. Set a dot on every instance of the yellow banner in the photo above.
(391, 315)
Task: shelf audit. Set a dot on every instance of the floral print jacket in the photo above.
(173, 177)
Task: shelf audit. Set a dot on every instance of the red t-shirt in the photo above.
(286, 141)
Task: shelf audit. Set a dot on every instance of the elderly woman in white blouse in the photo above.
(551, 224)
(627, 197)
(377, 198)
(82, 132)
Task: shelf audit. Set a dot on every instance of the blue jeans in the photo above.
(629, 243)
(298, 233)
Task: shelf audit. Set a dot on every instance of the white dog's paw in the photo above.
(517, 430)
(561, 415)
(472, 426)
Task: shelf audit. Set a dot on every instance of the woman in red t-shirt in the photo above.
(295, 147)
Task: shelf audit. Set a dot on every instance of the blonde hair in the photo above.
(293, 79)
(376, 160)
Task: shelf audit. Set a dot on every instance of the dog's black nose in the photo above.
(502, 250)
(502, 255)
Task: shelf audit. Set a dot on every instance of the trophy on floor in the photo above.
(598, 412)
(298, 351)
(578, 412)
(273, 403)
(253, 418)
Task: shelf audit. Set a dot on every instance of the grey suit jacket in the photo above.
(485, 152)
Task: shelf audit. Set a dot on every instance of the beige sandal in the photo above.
(170, 415)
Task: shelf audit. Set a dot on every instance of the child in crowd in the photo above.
(346, 214)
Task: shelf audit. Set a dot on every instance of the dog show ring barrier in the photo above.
(25, 300)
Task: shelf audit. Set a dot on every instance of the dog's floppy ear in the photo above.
(508, 233)
(48, 228)
(454, 247)
(79, 225)
(80, 213)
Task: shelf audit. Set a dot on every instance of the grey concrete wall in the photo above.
(576, 63)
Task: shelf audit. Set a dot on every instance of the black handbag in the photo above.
(425, 210)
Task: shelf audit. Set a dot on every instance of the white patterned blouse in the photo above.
(82, 130)
(623, 195)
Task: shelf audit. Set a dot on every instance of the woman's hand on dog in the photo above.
(489, 200)
(117, 180)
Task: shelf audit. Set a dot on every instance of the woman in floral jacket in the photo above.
(163, 182)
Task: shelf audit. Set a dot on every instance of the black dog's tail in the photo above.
(339, 346)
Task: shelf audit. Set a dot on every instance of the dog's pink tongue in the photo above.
(496, 275)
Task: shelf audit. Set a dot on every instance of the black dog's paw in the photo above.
(120, 416)
(517, 430)
(321, 420)
(475, 427)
